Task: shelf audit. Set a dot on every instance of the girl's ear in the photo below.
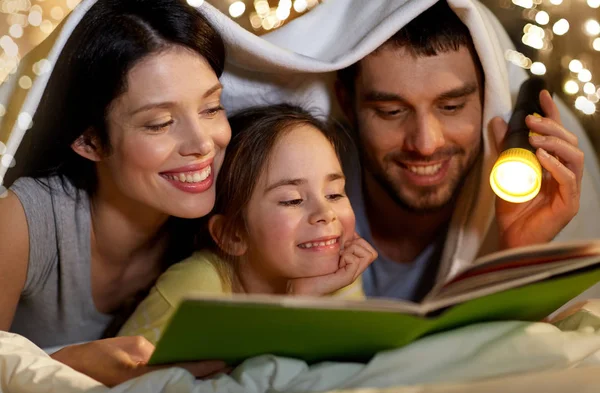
(87, 146)
(232, 244)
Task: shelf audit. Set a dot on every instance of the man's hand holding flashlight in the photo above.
(542, 218)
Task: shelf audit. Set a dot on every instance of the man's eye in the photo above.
(452, 108)
(389, 113)
(291, 202)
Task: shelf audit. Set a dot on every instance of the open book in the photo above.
(527, 284)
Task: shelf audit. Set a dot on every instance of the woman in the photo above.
(129, 136)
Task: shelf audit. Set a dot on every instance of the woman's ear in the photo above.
(87, 146)
(232, 244)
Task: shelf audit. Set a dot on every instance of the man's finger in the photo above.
(571, 156)
(549, 106)
(549, 127)
(566, 179)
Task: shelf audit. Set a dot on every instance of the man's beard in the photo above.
(422, 200)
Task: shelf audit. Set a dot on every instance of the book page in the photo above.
(519, 261)
(501, 285)
(324, 302)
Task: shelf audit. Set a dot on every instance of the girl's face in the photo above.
(298, 216)
(168, 134)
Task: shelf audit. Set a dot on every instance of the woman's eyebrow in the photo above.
(168, 104)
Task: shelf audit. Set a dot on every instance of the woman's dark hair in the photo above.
(255, 132)
(112, 37)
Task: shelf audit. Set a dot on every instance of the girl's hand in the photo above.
(356, 255)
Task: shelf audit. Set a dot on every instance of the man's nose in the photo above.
(428, 135)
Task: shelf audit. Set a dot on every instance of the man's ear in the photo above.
(87, 146)
(232, 244)
(345, 100)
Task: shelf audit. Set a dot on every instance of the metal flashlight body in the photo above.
(517, 174)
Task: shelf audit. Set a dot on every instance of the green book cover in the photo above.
(325, 329)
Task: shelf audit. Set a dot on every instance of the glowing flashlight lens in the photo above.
(516, 177)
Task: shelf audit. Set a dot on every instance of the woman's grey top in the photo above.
(56, 305)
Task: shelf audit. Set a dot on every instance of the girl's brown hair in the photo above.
(255, 131)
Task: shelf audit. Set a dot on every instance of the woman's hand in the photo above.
(115, 360)
(356, 255)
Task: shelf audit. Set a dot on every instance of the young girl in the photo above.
(282, 223)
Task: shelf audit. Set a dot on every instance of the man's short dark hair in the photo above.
(436, 30)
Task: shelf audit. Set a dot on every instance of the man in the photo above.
(416, 106)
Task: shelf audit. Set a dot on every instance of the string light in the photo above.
(584, 75)
(35, 16)
(542, 17)
(561, 27)
(596, 44)
(25, 82)
(589, 108)
(538, 68)
(592, 27)
(571, 87)
(57, 13)
(300, 6)
(46, 27)
(262, 7)
(236, 9)
(575, 66)
(556, 2)
(24, 121)
(589, 88)
(593, 3)
(523, 3)
(282, 13)
(195, 3)
(16, 30)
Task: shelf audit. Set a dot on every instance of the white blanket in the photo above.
(498, 356)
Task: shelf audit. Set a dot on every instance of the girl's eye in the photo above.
(335, 197)
(291, 202)
(212, 112)
(159, 127)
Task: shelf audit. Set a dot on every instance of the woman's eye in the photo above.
(212, 112)
(291, 202)
(335, 197)
(159, 127)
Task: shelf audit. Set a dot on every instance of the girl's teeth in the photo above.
(425, 170)
(192, 177)
(318, 244)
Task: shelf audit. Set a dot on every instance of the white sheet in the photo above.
(514, 356)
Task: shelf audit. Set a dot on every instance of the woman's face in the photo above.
(168, 134)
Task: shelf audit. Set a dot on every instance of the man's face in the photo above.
(419, 123)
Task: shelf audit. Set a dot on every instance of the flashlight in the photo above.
(517, 174)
